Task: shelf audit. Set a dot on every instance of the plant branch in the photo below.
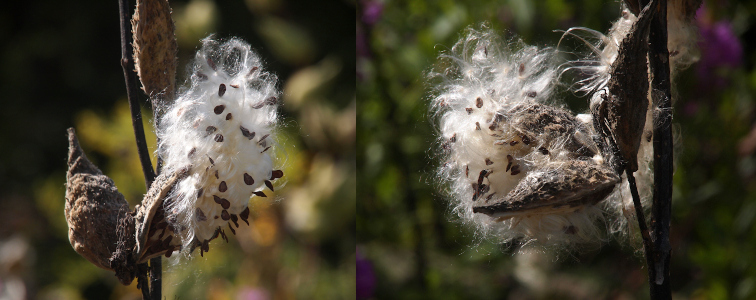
(659, 275)
(127, 63)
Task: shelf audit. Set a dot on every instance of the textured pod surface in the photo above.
(220, 130)
(625, 102)
(94, 209)
(154, 235)
(155, 47)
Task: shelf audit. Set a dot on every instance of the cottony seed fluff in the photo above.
(221, 127)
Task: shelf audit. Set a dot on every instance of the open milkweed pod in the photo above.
(220, 130)
(516, 165)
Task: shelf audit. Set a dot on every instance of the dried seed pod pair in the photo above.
(520, 167)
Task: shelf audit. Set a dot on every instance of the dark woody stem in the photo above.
(152, 290)
(659, 276)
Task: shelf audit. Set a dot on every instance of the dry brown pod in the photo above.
(622, 113)
(94, 208)
(155, 49)
(103, 229)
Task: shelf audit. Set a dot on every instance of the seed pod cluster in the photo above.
(519, 166)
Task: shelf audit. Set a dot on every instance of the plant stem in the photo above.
(153, 289)
(659, 275)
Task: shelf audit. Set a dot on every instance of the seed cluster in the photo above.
(220, 129)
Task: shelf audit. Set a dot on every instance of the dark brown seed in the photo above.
(212, 162)
(263, 138)
(467, 171)
(525, 140)
(531, 94)
(211, 63)
(236, 86)
(258, 105)
(479, 102)
(219, 138)
(221, 90)
(269, 185)
(261, 194)
(515, 169)
(488, 162)
(232, 229)
(228, 116)
(544, 151)
(469, 110)
(225, 216)
(453, 138)
(522, 69)
(191, 152)
(509, 164)
(248, 179)
(244, 215)
(216, 217)
(222, 187)
(276, 174)
(271, 101)
(512, 143)
(266, 149)
(219, 109)
(252, 71)
(200, 215)
(223, 202)
(200, 192)
(483, 174)
(235, 220)
(167, 242)
(169, 253)
(216, 174)
(210, 130)
(246, 133)
(223, 234)
(477, 125)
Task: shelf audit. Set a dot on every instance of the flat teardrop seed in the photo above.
(261, 194)
(248, 179)
(246, 133)
(219, 109)
(210, 130)
(269, 185)
(225, 216)
(244, 215)
(219, 138)
(276, 174)
(228, 117)
(221, 90)
(222, 187)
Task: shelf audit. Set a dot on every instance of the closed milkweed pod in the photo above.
(94, 209)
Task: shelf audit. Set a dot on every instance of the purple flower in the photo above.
(721, 50)
(371, 12)
(365, 277)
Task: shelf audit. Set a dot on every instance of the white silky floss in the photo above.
(483, 94)
(221, 126)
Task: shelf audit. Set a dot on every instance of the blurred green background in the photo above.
(59, 68)
(410, 245)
